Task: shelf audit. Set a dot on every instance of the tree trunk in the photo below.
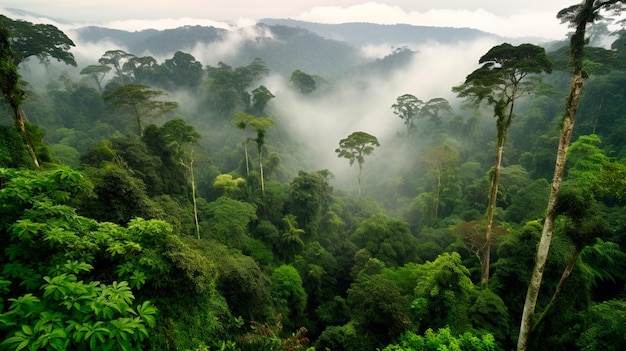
(21, 128)
(245, 151)
(261, 171)
(491, 209)
(536, 328)
(437, 195)
(586, 13)
(358, 178)
(548, 225)
(193, 195)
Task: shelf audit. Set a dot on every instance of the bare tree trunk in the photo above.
(548, 225)
(491, 208)
(557, 292)
(261, 171)
(245, 151)
(195, 199)
(586, 12)
(21, 128)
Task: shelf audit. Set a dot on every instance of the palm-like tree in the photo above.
(292, 236)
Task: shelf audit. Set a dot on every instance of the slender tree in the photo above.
(507, 73)
(260, 125)
(577, 16)
(242, 121)
(441, 160)
(355, 147)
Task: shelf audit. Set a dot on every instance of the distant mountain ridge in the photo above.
(361, 33)
(324, 49)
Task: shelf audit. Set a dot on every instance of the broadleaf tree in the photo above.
(139, 101)
(578, 16)
(506, 73)
(355, 147)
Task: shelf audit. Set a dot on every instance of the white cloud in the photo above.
(519, 24)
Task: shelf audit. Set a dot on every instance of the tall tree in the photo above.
(40, 40)
(242, 121)
(507, 73)
(355, 147)
(97, 73)
(441, 160)
(116, 60)
(260, 125)
(20, 40)
(12, 91)
(139, 101)
(181, 137)
(407, 107)
(578, 16)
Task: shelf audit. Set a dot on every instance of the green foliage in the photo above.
(603, 327)
(229, 220)
(245, 287)
(355, 147)
(71, 314)
(305, 83)
(138, 101)
(379, 312)
(444, 340)
(309, 195)
(442, 294)
(40, 40)
(288, 295)
(387, 239)
(13, 153)
(408, 108)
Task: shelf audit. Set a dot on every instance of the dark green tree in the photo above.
(305, 83)
(387, 239)
(578, 16)
(183, 70)
(379, 312)
(507, 73)
(229, 89)
(261, 96)
(40, 40)
(288, 295)
(355, 147)
(12, 91)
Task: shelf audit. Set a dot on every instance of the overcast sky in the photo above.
(507, 18)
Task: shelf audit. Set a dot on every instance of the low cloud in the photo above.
(543, 24)
(364, 103)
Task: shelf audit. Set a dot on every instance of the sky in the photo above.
(508, 18)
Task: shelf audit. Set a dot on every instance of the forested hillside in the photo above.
(273, 189)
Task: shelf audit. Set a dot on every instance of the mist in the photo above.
(363, 103)
(352, 102)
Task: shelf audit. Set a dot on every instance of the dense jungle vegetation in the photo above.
(168, 206)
